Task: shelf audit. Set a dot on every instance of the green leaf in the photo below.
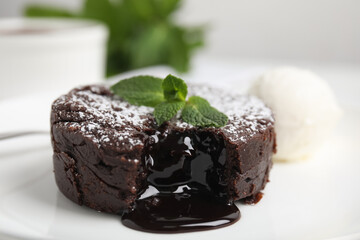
(47, 11)
(149, 46)
(174, 88)
(99, 10)
(152, 10)
(167, 110)
(140, 90)
(199, 112)
(165, 8)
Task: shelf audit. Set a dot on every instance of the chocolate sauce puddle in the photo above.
(187, 185)
(176, 213)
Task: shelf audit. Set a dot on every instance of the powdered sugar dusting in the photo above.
(109, 121)
(103, 118)
(248, 115)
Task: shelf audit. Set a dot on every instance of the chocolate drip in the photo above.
(175, 213)
(186, 185)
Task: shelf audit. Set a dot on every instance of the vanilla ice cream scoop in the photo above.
(305, 110)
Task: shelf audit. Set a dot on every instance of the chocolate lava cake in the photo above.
(108, 153)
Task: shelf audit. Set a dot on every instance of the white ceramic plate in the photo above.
(316, 199)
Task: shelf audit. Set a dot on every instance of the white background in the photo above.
(256, 35)
(316, 30)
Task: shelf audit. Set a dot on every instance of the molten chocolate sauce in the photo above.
(180, 212)
(187, 185)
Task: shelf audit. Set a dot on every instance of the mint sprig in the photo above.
(168, 97)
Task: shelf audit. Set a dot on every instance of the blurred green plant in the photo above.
(142, 32)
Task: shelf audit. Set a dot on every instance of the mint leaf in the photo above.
(37, 10)
(167, 110)
(199, 112)
(168, 96)
(167, 7)
(174, 88)
(148, 47)
(99, 10)
(140, 90)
